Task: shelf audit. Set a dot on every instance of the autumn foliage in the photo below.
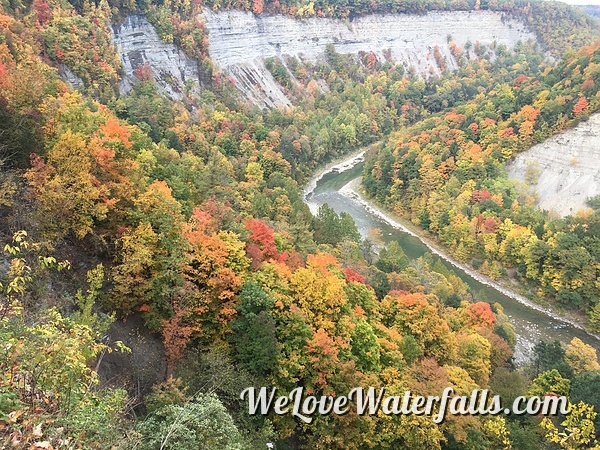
(192, 214)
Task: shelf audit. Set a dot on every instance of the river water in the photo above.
(532, 323)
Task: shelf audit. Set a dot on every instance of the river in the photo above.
(335, 186)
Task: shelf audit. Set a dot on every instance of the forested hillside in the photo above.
(188, 217)
(492, 222)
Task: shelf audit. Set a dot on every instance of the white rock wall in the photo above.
(569, 167)
(240, 41)
(137, 42)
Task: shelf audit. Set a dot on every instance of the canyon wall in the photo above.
(240, 41)
(567, 168)
(138, 43)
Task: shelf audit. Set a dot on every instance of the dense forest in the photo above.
(188, 217)
(491, 221)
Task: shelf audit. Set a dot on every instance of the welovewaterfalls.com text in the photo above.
(373, 401)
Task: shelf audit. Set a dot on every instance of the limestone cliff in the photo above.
(240, 41)
(138, 43)
(567, 168)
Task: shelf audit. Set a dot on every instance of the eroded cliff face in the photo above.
(240, 41)
(138, 43)
(568, 166)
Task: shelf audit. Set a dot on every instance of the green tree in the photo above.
(392, 258)
(254, 330)
(331, 228)
(548, 356)
(365, 347)
(201, 424)
(549, 382)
